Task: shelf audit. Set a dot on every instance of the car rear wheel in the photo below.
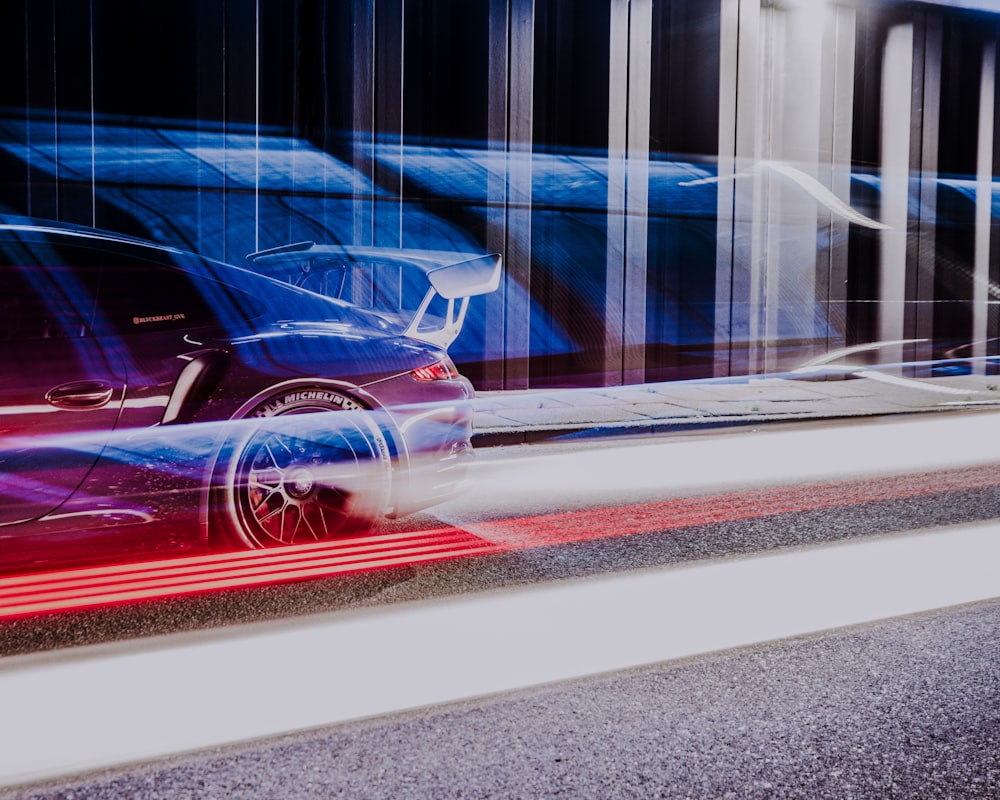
(303, 474)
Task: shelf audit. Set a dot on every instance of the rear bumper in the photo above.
(437, 439)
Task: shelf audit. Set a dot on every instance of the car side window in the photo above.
(136, 294)
(58, 289)
(36, 304)
(146, 297)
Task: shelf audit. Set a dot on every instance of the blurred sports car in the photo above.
(155, 400)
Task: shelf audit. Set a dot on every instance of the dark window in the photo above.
(131, 293)
(684, 107)
(446, 70)
(571, 83)
(39, 302)
(28, 309)
(139, 298)
(137, 295)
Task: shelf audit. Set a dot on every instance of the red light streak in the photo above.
(689, 512)
(77, 589)
(101, 586)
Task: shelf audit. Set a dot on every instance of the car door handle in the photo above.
(80, 395)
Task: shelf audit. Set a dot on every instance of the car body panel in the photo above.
(56, 390)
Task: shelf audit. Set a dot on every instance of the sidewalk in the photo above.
(516, 417)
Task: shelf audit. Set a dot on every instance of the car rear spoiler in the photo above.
(455, 277)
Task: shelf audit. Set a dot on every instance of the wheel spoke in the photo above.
(270, 478)
(263, 520)
(278, 440)
(315, 510)
(265, 499)
(293, 513)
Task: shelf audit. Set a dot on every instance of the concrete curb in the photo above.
(522, 417)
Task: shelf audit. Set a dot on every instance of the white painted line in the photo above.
(109, 705)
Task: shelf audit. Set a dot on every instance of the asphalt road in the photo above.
(906, 708)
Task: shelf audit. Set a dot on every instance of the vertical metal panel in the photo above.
(363, 127)
(90, 78)
(922, 247)
(389, 43)
(239, 91)
(496, 184)
(211, 54)
(810, 65)
(897, 81)
(836, 131)
(256, 126)
(517, 313)
(984, 200)
(614, 300)
(797, 104)
(993, 309)
(766, 216)
(637, 190)
(724, 254)
(779, 101)
(630, 81)
(744, 305)
(738, 152)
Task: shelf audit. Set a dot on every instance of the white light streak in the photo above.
(682, 465)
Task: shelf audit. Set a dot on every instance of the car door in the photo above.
(61, 392)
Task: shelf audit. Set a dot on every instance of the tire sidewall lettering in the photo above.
(304, 397)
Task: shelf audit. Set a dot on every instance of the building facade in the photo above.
(680, 188)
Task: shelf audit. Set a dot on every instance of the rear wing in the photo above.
(424, 294)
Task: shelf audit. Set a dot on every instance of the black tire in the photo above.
(299, 475)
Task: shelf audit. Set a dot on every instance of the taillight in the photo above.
(443, 370)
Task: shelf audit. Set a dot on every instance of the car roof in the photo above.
(32, 225)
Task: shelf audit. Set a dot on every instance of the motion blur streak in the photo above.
(87, 588)
(719, 508)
